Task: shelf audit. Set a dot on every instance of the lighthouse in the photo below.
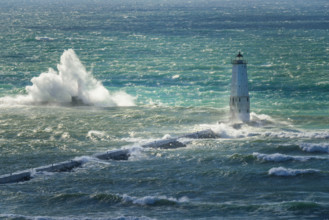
(239, 99)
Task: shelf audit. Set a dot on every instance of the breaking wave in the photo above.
(71, 80)
(153, 200)
(297, 134)
(281, 171)
(277, 157)
(109, 198)
(263, 126)
(315, 148)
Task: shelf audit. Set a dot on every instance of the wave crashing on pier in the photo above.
(71, 80)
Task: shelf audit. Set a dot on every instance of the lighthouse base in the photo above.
(239, 117)
(240, 108)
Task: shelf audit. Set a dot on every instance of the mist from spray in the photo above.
(71, 80)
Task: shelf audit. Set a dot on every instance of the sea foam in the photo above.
(45, 38)
(71, 79)
(153, 200)
(97, 135)
(242, 130)
(277, 157)
(258, 128)
(297, 134)
(281, 171)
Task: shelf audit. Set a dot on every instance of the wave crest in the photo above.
(281, 171)
(277, 157)
(153, 200)
(315, 148)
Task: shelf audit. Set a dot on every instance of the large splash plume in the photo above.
(71, 80)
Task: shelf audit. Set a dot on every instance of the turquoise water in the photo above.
(157, 69)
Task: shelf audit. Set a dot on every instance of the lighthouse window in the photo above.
(239, 99)
(247, 99)
(247, 110)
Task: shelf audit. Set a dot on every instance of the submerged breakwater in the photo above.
(122, 154)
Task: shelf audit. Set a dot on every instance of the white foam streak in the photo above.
(260, 117)
(264, 126)
(240, 130)
(45, 38)
(301, 134)
(281, 171)
(141, 141)
(151, 200)
(97, 135)
(72, 79)
(277, 157)
(225, 130)
(84, 159)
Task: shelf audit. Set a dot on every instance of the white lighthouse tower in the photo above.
(239, 100)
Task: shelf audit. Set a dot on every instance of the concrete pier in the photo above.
(60, 167)
(201, 134)
(175, 143)
(121, 154)
(15, 177)
(164, 144)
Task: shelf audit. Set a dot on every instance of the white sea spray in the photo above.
(71, 79)
(135, 152)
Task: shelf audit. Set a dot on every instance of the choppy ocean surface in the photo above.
(151, 70)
